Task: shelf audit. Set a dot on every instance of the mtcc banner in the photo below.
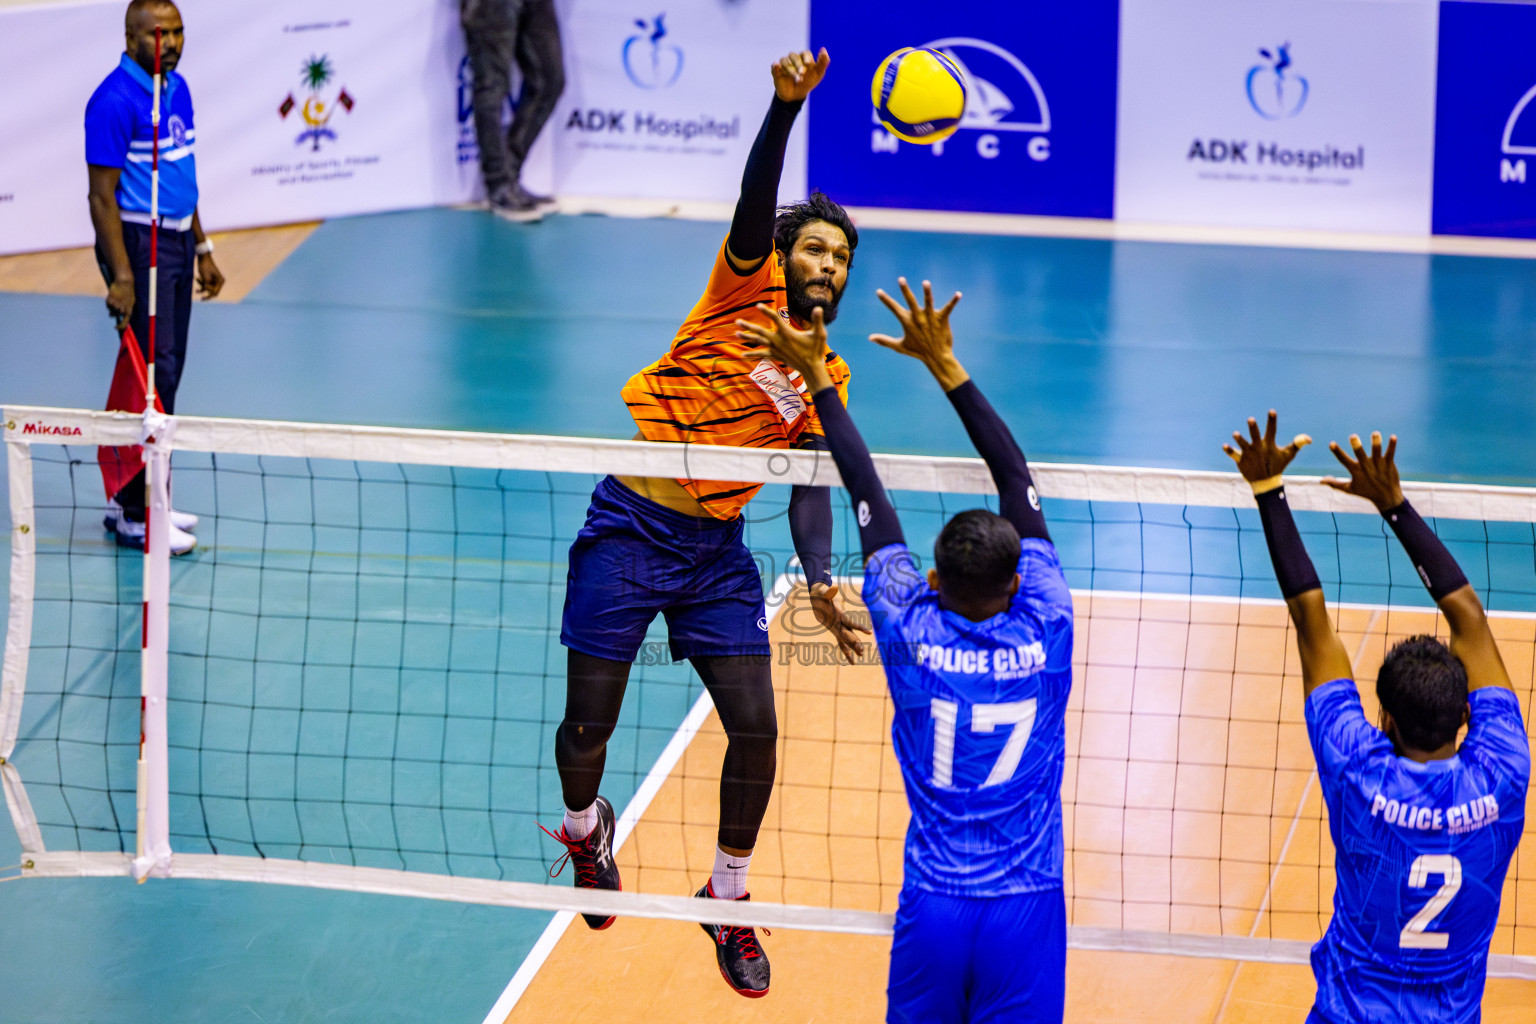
(1485, 146)
(1038, 132)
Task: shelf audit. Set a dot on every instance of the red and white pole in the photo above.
(152, 847)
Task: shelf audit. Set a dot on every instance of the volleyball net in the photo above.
(364, 677)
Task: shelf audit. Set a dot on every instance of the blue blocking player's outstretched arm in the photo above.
(978, 659)
(1424, 830)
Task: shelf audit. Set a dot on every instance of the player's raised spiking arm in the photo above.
(675, 547)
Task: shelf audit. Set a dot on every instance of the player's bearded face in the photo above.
(816, 271)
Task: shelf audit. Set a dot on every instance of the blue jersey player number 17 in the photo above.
(978, 659)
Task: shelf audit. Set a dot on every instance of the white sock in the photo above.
(729, 882)
(579, 824)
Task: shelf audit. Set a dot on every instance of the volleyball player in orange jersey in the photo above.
(675, 547)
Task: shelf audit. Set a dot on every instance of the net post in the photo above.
(153, 846)
(18, 637)
(152, 849)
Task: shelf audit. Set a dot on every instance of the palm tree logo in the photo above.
(315, 74)
(1274, 93)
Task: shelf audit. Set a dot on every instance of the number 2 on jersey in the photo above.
(984, 718)
(1444, 864)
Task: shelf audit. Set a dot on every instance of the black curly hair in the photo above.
(1423, 686)
(816, 206)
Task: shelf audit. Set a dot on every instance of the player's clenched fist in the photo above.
(796, 74)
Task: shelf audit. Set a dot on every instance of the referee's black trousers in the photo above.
(177, 278)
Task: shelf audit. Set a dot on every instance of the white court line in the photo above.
(637, 806)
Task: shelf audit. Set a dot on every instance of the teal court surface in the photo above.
(1121, 353)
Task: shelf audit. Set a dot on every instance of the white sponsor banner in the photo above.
(59, 53)
(305, 109)
(1286, 114)
(321, 108)
(666, 104)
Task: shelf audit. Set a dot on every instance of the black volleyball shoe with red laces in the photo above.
(593, 859)
(743, 964)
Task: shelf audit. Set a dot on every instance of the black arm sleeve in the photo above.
(810, 523)
(878, 525)
(1431, 559)
(751, 234)
(1017, 500)
(1293, 566)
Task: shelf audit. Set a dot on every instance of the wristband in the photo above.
(1266, 485)
(205, 247)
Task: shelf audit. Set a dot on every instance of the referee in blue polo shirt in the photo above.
(118, 143)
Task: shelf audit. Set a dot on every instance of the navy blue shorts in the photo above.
(634, 558)
(966, 960)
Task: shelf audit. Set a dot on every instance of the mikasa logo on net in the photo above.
(1007, 98)
(40, 429)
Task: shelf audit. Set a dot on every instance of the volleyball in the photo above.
(919, 95)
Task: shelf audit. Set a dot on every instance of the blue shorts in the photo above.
(978, 960)
(634, 558)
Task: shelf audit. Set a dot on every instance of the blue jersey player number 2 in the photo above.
(1424, 829)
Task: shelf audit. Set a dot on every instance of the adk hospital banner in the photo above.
(1311, 114)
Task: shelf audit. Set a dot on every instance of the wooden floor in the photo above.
(243, 257)
(1190, 805)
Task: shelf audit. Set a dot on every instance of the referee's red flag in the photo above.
(130, 380)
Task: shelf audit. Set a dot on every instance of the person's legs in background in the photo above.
(490, 38)
(542, 63)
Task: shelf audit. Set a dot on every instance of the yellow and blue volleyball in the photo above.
(919, 95)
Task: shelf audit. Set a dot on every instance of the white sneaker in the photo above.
(181, 520)
(131, 535)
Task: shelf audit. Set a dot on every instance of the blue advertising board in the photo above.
(1038, 134)
(1485, 121)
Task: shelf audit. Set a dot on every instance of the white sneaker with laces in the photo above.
(131, 535)
(181, 520)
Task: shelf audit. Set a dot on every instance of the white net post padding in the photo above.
(153, 777)
(18, 635)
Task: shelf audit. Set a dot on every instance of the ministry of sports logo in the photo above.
(1274, 91)
(650, 60)
(316, 74)
(1002, 95)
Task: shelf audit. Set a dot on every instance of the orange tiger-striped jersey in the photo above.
(707, 390)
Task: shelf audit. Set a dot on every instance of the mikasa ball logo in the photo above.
(1004, 104)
